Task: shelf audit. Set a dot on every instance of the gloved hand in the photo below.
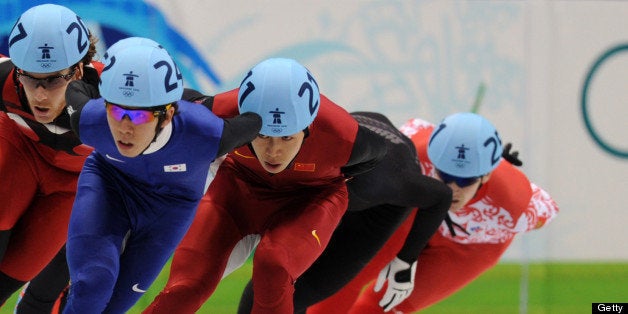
(90, 76)
(400, 277)
(513, 157)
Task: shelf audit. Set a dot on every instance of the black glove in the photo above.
(90, 76)
(195, 96)
(511, 157)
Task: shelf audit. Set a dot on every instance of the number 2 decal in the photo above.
(167, 85)
(440, 128)
(494, 141)
(306, 86)
(112, 61)
(82, 31)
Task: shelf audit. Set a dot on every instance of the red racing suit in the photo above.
(504, 206)
(295, 212)
(39, 168)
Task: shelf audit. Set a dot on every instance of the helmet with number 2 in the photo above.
(48, 38)
(140, 75)
(127, 42)
(465, 145)
(283, 93)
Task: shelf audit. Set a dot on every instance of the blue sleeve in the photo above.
(92, 125)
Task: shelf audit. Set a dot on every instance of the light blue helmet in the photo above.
(283, 93)
(465, 145)
(127, 42)
(140, 75)
(48, 38)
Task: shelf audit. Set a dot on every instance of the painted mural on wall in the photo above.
(111, 21)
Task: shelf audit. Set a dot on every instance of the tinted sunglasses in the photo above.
(461, 182)
(137, 116)
(49, 82)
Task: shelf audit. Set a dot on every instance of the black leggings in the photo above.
(43, 291)
(8, 285)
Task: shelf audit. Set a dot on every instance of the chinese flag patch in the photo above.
(304, 167)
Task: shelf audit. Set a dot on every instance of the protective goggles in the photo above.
(49, 82)
(461, 182)
(137, 116)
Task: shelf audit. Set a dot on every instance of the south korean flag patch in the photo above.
(175, 168)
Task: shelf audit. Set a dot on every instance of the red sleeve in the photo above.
(420, 139)
(226, 104)
(510, 188)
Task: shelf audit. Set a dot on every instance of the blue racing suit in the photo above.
(130, 213)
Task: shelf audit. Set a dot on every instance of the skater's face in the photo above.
(45, 92)
(134, 129)
(276, 153)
